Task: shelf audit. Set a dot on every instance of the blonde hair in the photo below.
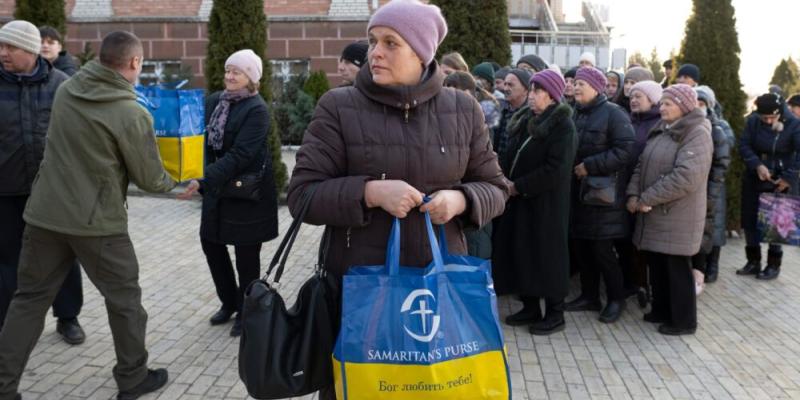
(253, 86)
(455, 61)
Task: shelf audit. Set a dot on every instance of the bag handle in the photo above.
(393, 247)
(282, 253)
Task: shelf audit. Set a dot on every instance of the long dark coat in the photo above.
(244, 150)
(605, 136)
(760, 144)
(530, 251)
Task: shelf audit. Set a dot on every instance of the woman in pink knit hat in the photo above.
(375, 149)
(667, 193)
(237, 127)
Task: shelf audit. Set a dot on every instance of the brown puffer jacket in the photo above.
(671, 177)
(432, 137)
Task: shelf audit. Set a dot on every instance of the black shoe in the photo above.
(653, 318)
(527, 315)
(220, 317)
(753, 266)
(548, 326)
(712, 272)
(236, 329)
(769, 273)
(71, 331)
(612, 312)
(155, 379)
(583, 304)
(18, 397)
(670, 330)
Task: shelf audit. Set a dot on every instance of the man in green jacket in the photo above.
(99, 139)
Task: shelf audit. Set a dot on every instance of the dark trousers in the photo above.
(69, 300)
(632, 265)
(699, 261)
(248, 266)
(674, 297)
(45, 261)
(753, 238)
(596, 258)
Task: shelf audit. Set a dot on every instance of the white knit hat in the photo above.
(21, 34)
(247, 61)
(588, 56)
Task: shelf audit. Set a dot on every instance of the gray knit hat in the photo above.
(21, 34)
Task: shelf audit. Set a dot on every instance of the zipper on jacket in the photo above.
(347, 237)
(405, 113)
(774, 145)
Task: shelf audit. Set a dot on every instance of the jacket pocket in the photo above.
(97, 202)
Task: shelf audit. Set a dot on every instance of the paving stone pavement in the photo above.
(746, 346)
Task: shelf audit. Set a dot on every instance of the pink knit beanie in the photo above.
(421, 25)
(247, 61)
(594, 77)
(683, 95)
(651, 89)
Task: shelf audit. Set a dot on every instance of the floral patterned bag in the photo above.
(778, 216)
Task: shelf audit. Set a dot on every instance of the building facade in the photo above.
(303, 35)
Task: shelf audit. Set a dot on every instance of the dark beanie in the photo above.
(571, 73)
(794, 100)
(667, 64)
(501, 73)
(495, 66)
(768, 104)
(534, 61)
(552, 83)
(523, 75)
(356, 53)
(690, 70)
(484, 70)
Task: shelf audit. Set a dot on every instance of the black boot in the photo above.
(70, 330)
(613, 311)
(553, 319)
(155, 379)
(753, 266)
(712, 265)
(236, 329)
(531, 312)
(773, 268)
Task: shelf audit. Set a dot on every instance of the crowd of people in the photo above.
(606, 174)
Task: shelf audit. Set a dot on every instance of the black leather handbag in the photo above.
(287, 353)
(599, 190)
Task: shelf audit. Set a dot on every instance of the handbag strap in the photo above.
(282, 253)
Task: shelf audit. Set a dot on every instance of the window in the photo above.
(283, 70)
(163, 72)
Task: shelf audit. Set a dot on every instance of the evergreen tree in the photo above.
(232, 26)
(787, 76)
(637, 58)
(655, 65)
(711, 43)
(43, 12)
(478, 29)
(316, 85)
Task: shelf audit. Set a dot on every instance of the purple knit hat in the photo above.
(594, 77)
(683, 95)
(551, 81)
(421, 25)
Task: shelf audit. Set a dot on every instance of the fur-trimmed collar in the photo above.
(539, 126)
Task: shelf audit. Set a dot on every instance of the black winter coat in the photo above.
(720, 161)
(605, 144)
(25, 104)
(778, 151)
(530, 240)
(244, 150)
(66, 63)
(719, 237)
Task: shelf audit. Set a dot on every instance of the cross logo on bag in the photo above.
(423, 311)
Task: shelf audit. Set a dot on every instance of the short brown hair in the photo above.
(455, 61)
(118, 48)
(48, 32)
(460, 80)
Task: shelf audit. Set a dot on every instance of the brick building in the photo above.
(303, 35)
